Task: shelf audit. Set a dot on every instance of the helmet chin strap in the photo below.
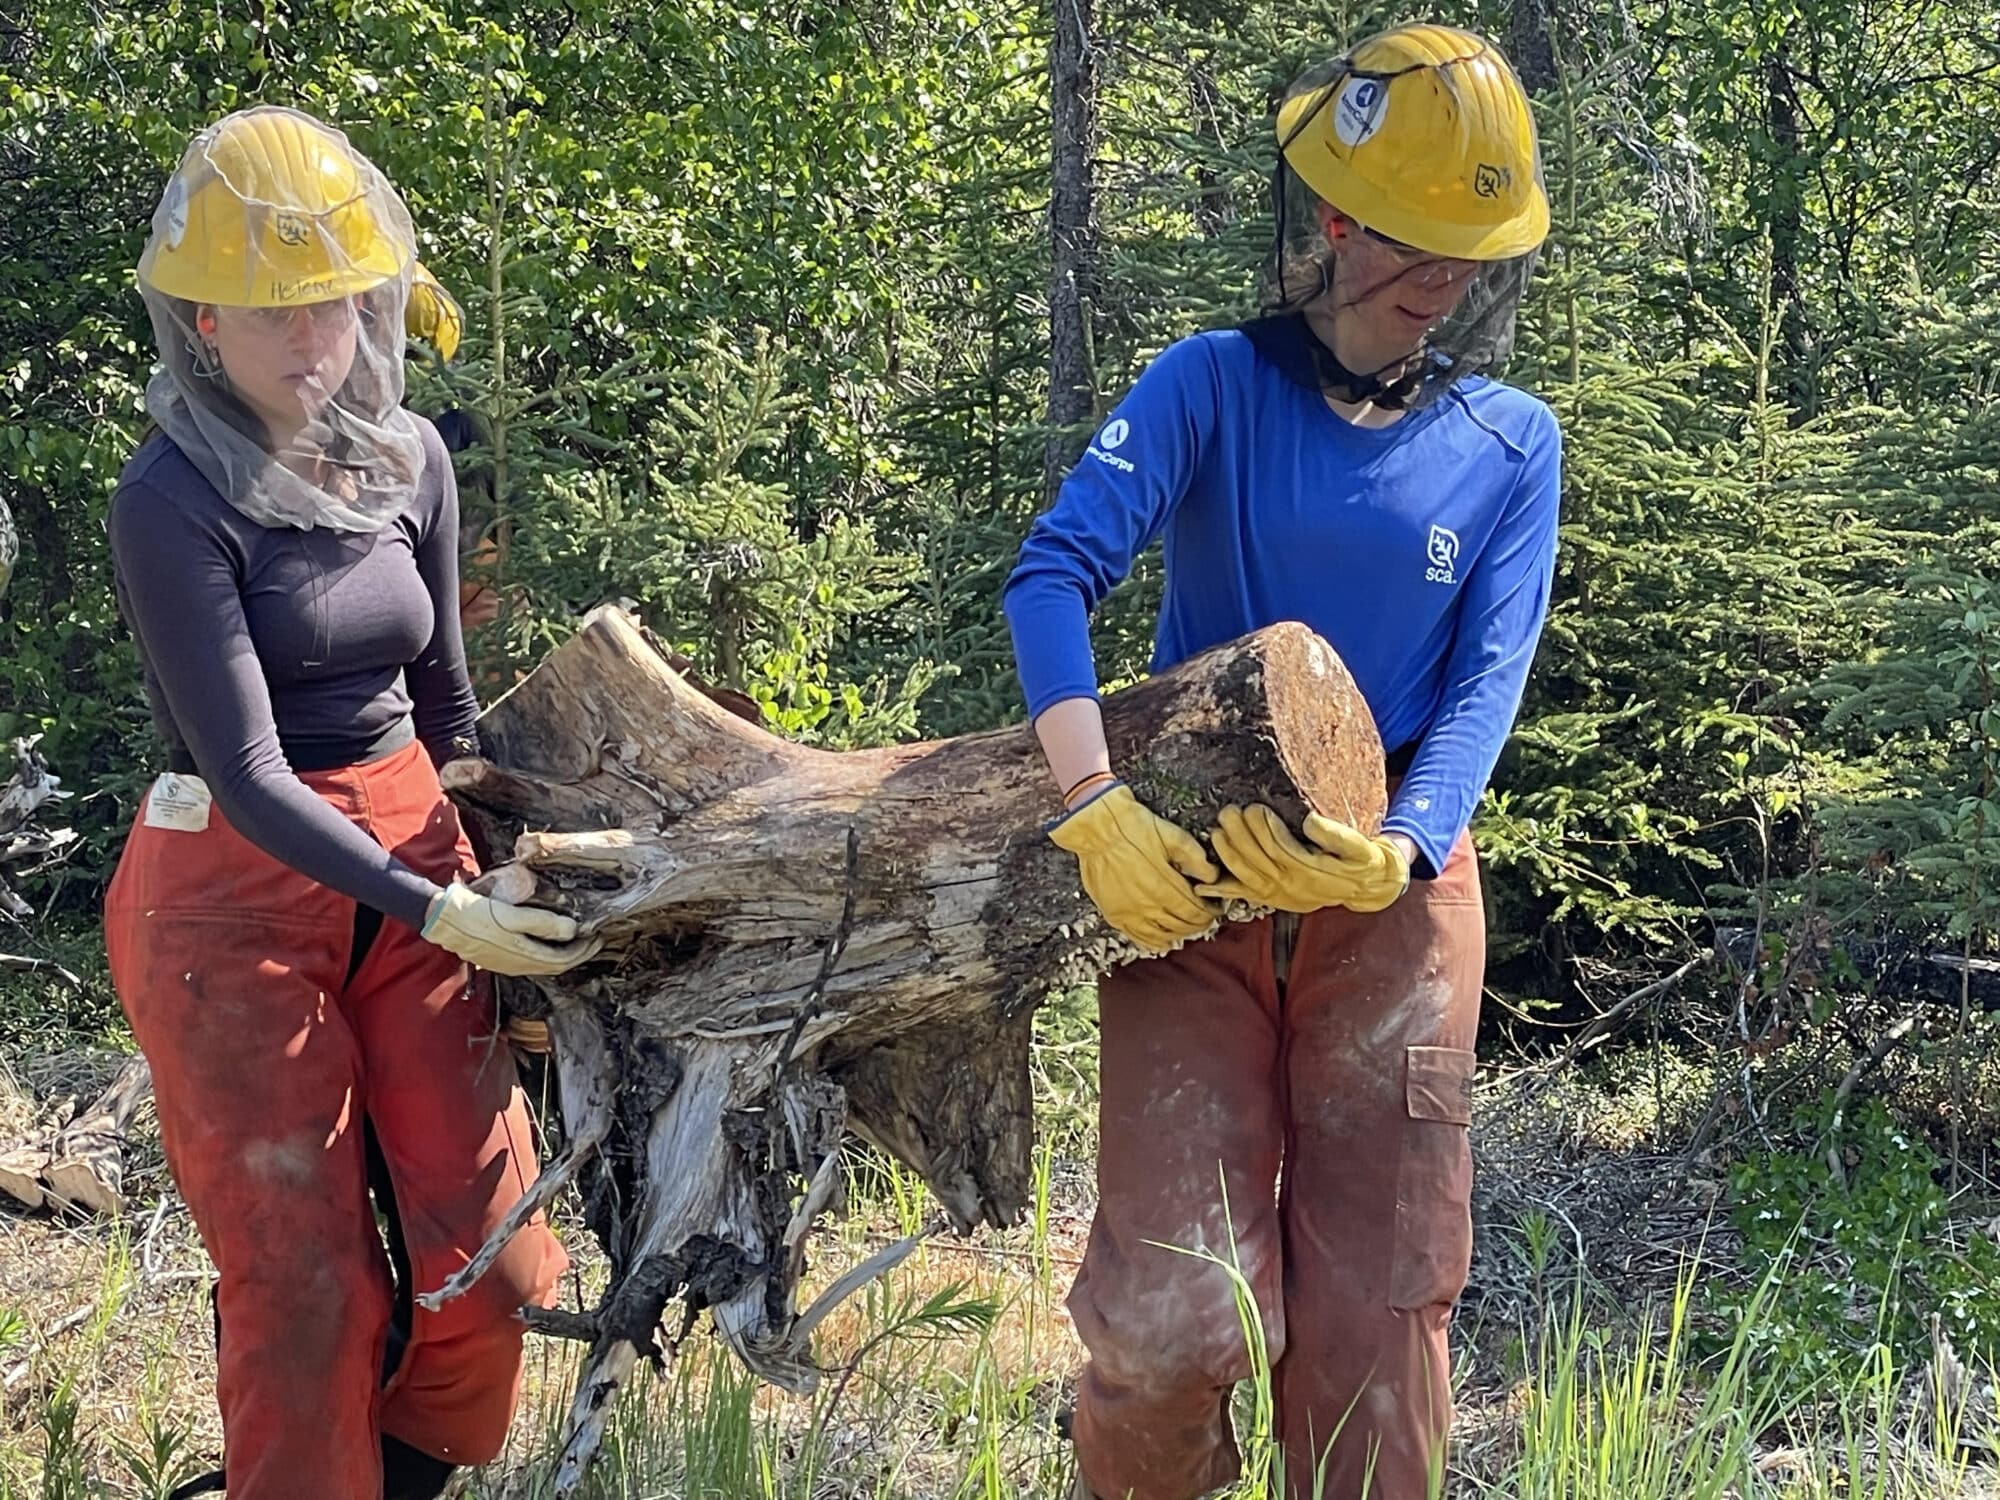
(1391, 386)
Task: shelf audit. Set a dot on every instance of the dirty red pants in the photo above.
(269, 1062)
(1344, 1064)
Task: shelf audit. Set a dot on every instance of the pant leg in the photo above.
(229, 966)
(454, 1133)
(1381, 1016)
(1190, 1101)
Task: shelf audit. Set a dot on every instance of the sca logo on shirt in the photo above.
(1113, 436)
(1443, 552)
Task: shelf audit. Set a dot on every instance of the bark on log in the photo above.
(801, 941)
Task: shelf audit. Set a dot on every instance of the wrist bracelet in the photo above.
(1089, 781)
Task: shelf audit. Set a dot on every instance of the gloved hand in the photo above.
(504, 939)
(1269, 867)
(432, 315)
(1136, 867)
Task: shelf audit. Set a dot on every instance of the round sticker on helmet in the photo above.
(1360, 110)
(174, 212)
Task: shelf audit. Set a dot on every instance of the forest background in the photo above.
(762, 305)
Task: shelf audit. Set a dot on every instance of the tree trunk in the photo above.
(1531, 44)
(1212, 206)
(1788, 167)
(1072, 233)
(799, 941)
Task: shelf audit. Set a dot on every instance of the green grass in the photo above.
(943, 1381)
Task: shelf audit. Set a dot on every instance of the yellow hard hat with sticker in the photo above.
(1424, 135)
(270, 208)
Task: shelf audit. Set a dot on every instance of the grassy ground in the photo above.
(1590, 1367)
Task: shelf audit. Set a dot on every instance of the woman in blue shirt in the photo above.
(1343, 462)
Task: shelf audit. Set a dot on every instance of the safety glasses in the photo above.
(1419, 266)
(325, 316)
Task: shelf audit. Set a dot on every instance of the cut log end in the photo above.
(21, 1168)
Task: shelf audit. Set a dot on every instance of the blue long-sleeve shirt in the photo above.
(1423, 551)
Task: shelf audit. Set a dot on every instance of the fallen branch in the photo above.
(22, 964)
(1862, 1067)
(1599, 1029)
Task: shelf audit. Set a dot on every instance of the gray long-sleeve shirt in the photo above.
(269, 651)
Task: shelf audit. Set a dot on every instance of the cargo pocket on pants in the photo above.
(1434, 1182)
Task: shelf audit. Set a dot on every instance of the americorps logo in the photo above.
(1113, 436)
(1442, 549)
(1359, 112)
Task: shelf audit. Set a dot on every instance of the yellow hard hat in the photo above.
(432, 314)
(270, 208)
(1424, 134)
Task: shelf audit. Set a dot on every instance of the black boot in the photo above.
(410, 1475)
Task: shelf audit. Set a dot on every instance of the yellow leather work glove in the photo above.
(1269, 867)
(1138, 868)
(504, 939)
(432, 315)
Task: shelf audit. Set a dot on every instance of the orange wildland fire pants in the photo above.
(276, 1044)
(1335, 1050)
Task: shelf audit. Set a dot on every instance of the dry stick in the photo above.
(561, 1323)
(578, 1043)
(815, 995)
(532, 1202)
(149, 1241)
(31, 965)
(878, 1264)
(1863, 1065)
(1600, 1026)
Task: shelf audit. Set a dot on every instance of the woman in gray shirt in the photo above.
(290, 930)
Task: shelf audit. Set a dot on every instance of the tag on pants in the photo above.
(180, 803)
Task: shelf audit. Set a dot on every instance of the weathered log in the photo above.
(82, 1165)
(800, 941)
(86, 1167)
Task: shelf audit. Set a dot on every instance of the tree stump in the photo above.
(801, 941)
